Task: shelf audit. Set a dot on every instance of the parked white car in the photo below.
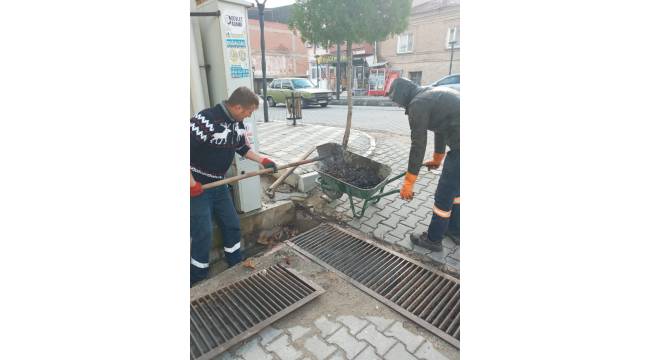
(452, 81)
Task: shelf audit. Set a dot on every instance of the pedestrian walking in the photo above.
(216, 134)
(438, 110)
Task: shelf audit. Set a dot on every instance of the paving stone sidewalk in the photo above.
(344, 337)
(285, 142)
(392, 219)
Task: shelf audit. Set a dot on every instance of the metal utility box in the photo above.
(225, 50)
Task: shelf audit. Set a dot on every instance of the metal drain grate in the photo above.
(233, 313)
(428, 297)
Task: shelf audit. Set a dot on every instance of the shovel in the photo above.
(270, 191)
(259, 172)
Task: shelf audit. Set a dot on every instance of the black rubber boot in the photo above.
(423, 241)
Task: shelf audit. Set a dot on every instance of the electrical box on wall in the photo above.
(226, 52)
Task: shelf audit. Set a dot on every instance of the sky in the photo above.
(276, 3)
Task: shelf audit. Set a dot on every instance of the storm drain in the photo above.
(428, 297)
(233, 313)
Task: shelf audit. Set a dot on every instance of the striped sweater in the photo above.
(214, 138)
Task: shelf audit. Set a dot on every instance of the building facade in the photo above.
(323, 67)
(286, 54)
(423, 52)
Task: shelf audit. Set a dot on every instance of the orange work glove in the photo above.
(406, 192)
(269, 164)
(196, 190)
(436, 161)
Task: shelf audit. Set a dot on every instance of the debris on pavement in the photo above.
(276, 235)
(248, 263)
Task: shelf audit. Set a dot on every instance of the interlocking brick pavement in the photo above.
(252, 350)
(398, 352)
(347, 342)
(325, 326)
(319, 348)
(428, 352)
(353, 323)
(380, 341)
(297, 332)
(404, 336)
(376, 338)
(282, 348)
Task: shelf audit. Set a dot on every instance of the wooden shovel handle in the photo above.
(256, 173)
(286, 174)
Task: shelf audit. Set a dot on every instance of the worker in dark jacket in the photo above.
(216, 134)
(438, 110)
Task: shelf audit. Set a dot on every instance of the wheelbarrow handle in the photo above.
(393, 179)
(256, 173)
(396, 177)
(402, 175)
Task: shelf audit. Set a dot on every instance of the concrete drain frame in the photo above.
(428, 297)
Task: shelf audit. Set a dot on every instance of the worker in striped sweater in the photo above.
(216, 134)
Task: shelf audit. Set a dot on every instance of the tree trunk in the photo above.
(348, 124)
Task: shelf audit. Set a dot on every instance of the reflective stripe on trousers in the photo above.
(447, 194)
(214, 204)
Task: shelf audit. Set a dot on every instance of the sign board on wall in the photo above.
(330, 59)
(236, 47)
(235, 23)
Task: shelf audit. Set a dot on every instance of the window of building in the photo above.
(415, 76)
(453, 35)
(405, 43)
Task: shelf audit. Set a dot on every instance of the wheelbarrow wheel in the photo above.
(332, 194)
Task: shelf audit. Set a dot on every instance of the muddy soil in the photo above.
(352, 174)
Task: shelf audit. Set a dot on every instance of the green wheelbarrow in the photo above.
(334, 187)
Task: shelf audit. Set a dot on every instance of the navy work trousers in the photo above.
(212, 204)
(446, 212)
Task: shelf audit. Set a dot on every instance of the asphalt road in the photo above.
(370, 118)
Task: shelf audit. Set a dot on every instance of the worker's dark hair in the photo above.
(243, 96)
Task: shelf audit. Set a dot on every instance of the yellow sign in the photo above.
(329, 59)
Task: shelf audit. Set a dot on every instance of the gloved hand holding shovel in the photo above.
(269, 164)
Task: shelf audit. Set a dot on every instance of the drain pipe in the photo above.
(197, 96)
(198, 81)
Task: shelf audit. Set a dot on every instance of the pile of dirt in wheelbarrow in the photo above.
(355, 175)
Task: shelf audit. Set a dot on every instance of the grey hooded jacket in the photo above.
(436, 109)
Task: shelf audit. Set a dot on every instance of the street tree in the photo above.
(330, 22)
